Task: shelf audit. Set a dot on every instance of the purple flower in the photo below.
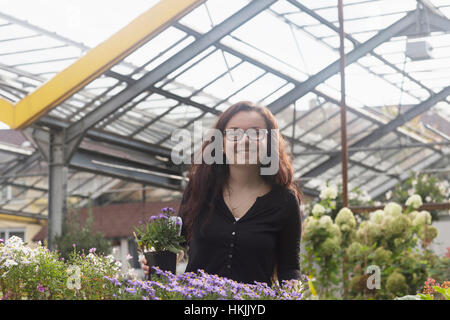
(168, 210)
(131, 290)
(73, 245)
(40, 288)
(92, 250)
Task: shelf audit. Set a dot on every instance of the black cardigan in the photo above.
(247, 250)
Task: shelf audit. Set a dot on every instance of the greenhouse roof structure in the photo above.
(112, 108)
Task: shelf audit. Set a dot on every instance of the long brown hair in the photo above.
(207, 180)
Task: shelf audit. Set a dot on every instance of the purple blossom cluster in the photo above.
(192, 286)
(159, 216)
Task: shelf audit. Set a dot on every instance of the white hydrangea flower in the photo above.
(328, 193)
(415, 201)
(412, 215)
(318, 210)
(393, 209)
(326, 221)
(345, 219)
(421, 218)
(428, 199)
(377, 216)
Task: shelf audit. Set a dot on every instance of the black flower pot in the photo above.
(165, 260)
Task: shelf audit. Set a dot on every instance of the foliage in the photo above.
(331, 200)
(160, 233)
(83, 236)
(429, 188)
(431, 291)
(202, 286)
(39, 274)
(339, 253)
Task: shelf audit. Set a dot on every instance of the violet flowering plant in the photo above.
(160, 233)
(164, 285)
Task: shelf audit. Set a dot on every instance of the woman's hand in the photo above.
(180, 256)
(146, 268)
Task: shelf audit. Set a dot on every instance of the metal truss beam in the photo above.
(382, 131)
(384, 187)
(23, 214)
(360, 51)
(218, 32)
(123, 169)
(98, 60)
(387, 147)
(6, 112)
(113, 139)
(357, 111)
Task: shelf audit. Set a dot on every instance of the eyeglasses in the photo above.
(238, 134)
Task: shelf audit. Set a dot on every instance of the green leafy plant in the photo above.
(429, 188)
(83, 235)
(40, 274)
(338, 253)
(160, 233)
(330, 201)
(431, 291)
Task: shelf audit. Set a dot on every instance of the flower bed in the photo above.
(382, 256)
(200, 286)
(38, 273)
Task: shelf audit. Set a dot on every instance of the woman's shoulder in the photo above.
(291, 206)
(287, 196)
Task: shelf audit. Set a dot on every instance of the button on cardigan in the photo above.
(247, 249)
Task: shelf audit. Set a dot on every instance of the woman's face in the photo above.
(245, 150)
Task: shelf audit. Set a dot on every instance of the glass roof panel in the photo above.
(285, 39)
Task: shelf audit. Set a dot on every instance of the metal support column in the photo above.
(57, 187)
(344, 152)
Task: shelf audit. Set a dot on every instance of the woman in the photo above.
(239, 223)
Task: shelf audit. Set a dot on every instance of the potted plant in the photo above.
(159, 239)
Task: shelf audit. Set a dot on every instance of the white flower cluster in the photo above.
(328, 193)
(318, 210)
(444, 188)
(14, 253)
(420, 218)
(101, 264)
(415, 201)
(362, 196)
(345, 220)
